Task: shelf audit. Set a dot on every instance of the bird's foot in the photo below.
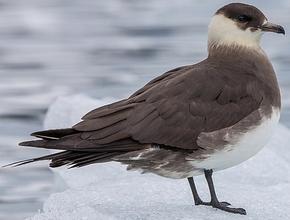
(222, 206)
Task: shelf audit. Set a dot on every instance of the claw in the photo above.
(224, 206)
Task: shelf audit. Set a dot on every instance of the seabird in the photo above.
(192, 120)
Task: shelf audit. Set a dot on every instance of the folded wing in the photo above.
(171, 110)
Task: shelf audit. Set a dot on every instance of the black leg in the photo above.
(214, 200)
(197, 200)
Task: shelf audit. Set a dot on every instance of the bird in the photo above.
(192, 120)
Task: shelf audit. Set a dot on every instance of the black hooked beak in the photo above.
(270, 27)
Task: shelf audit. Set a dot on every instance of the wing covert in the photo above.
(173, 110)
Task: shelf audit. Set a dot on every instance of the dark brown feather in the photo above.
(172, 110)
(71, 158)
(54, 134)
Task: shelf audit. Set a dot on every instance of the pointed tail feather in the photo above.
(76, 151)
(71, 158)
(23, 162)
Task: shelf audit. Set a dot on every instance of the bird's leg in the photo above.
(214, 200)
(197, 199)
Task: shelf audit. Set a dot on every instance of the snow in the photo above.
(108, 192)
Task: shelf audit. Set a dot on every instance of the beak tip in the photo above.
(270, 27)
(281, 30)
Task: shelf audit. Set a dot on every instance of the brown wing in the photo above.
(174, 109)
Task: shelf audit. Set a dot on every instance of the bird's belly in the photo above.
(249, 143)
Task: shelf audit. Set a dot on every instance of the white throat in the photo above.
(224, 31)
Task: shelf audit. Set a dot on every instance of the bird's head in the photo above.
(240, 25)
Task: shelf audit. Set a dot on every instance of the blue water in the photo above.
(50, 48)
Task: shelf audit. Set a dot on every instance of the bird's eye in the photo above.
(243, 18)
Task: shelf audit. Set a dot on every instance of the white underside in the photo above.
(247, 146)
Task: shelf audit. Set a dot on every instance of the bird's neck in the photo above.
(235, 50)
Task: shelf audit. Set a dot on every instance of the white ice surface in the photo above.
(108, 192)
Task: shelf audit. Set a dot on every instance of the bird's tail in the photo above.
(71, 158)
(62, 139)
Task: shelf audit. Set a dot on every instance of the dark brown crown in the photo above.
(245, 15)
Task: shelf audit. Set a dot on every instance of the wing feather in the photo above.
(171, 110)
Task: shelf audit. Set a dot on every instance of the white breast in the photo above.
(247, 146)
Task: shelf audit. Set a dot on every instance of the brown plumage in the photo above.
(191, 120)
(173, 109)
